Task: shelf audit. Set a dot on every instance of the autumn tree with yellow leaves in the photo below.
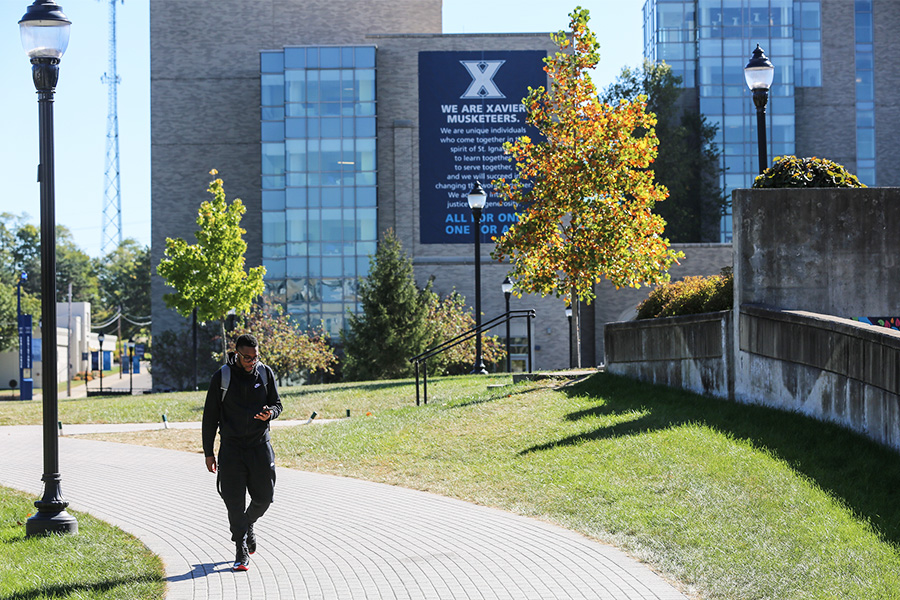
(584, 194)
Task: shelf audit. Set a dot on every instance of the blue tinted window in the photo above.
(365, 127)
(865, 143)
(331, 127)
(330, 86)
(272, 113)
(272, 90)
(295, 58)
(272, 131)
(295, 152)
(296, 197)
(366, 196)
(295, 86)
(347, 57)
(331, 197)
(273, 200)
(324, 135)
(296, 225)
(271, 62)
(272, 158)
(365, 85)
(329, 58)
(273, 227)
(365, 58)
(295, 128)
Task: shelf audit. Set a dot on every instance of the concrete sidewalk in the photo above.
(325, 537)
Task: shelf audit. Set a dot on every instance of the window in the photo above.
(318, 141)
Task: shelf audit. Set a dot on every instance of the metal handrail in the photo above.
(527, 314)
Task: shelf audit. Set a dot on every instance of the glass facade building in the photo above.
(318, 184)
(708, 43)
(865, 91)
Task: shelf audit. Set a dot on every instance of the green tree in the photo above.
(450, 317)
(20, 245)
(209, 276)
(584, 195)
(283, 346)
(124, 281)
(688, 162)
(73, 265)
(393, 325)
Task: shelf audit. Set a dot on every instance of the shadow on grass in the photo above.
(495, 397)
(855, 470)
(75, 589)
(364, 386)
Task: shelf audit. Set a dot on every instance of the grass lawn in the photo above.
(733, 501)
(100, 562)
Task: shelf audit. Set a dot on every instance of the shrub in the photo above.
(690, 296)
(790, 172)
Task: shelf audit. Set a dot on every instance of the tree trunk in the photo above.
(194, 330)
(224, 343)
(575, 332)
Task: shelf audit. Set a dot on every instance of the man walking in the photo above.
(241, 400)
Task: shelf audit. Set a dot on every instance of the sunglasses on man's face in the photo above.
(249, 359)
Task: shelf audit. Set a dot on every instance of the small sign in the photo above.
(139, 351)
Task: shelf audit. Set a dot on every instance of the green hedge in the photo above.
(690, 296)
(790, 171)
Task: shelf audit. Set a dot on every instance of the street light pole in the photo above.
(100, 338)
(477, 200)
(44, 31)
(569, 317)
(759, 74)
(131, 367)
(507, 286)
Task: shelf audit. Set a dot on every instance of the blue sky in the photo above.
(80, 112)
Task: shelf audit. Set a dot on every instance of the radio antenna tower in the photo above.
(111, 234)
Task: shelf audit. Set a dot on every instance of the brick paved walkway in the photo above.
(325, 537)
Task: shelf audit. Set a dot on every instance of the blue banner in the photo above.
(470, 103)
(25, 342)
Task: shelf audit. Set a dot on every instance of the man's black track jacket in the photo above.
(233, 417)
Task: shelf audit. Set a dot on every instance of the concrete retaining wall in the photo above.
(805, 262)
(826, 367)
(690, 352)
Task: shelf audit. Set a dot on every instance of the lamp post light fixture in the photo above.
(759, 74)
(569, 317)
(507, 286)
(477, 200)
(100, 338)
(44, 31)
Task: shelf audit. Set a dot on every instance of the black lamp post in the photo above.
(507, 286)
(569, 317)
(131, 366)
(759, 74)
(477, 200)
(44, 31)
(100, 338)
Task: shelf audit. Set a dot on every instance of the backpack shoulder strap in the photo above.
(263, 371)
(226, 380)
